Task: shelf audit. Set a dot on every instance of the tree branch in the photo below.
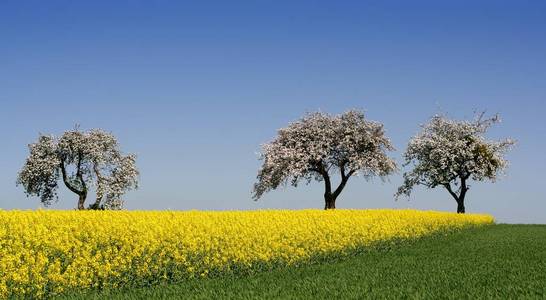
(344, 179)
(66, 182)
(342, 171)
(464, 188)
(327, 183)
(79, 173)
(100, 181)
(451, 192)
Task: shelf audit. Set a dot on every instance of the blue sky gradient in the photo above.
(194, 88)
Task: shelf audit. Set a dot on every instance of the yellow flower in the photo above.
(46, 252)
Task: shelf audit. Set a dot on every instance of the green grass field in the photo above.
(497, 261)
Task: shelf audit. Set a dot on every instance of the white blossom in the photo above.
(320, 144)
(447, 153)
(80, 160)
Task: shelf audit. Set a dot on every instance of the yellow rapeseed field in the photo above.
(47, 252)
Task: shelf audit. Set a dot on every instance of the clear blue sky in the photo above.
(194, 89)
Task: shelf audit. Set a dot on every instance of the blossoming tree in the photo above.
(80, 160)
(320, 145)
(449, 153)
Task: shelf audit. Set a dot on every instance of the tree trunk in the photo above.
(460, 206)
(462, 195)
(82, 194)
(81, 201)
(329, 196)
(96, 205)
(459, 198)
(329, 202)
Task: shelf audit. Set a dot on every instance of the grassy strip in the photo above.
(498, 261)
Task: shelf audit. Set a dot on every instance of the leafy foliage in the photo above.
(449, 152)
(81, 160)
(319, 144)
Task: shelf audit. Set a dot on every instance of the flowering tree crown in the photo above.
(81, 160)
(319, 144)
(448, 152)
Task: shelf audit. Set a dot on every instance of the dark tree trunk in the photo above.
(100, 181)
(329, 196)
(96, 205)
(460, 206)
(462, 194)
(329, 202)
(81, 201)
(82, 194)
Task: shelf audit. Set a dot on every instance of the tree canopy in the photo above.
(321, 144)
(448, 153)
(81, 160)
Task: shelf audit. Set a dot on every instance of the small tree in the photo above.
(449, 153)
(319, 145)
(81, 160)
